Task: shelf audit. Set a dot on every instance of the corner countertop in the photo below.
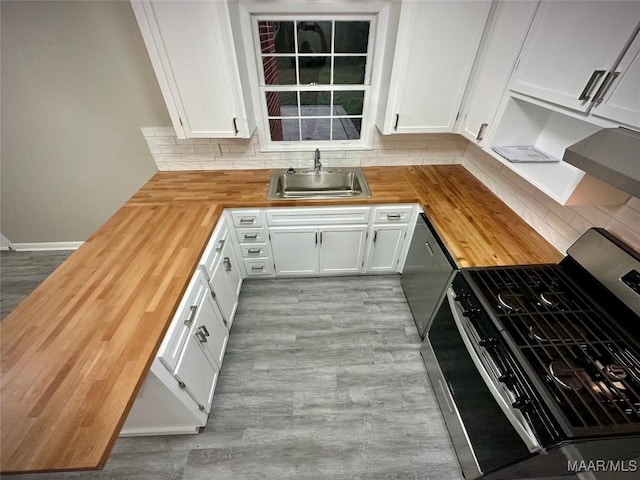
(76, 351)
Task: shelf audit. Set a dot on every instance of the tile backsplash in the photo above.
(172, 153)
(560, 225)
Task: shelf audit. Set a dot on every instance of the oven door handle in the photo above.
(519, 424)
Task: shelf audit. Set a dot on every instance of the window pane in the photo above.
(315, 104)
(315, 128)
(276, 37)
(314, 37)
(346, 128)
(315, 70)
(279, 70)
(352, 37)
(282, 104)
(349, 70)
(287, 130)
(348, 102)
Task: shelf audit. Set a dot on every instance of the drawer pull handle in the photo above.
(235, 125)
(247, 220)
(395, 125)
(227, 264)
(204, 330)
(192, 315)
(375, 236)
(220, 246)
(426, 244)
(316, 238)
(606, 84)
(320, 238)
(256, 268)
(480, 131)
(200, 336)
(595, 76)
(253, 251)
(393, 216)
(250, 236)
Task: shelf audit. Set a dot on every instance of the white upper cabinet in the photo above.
(506, 30)
(191, 47)
(571, 47)
(621, 101)
(435, 48)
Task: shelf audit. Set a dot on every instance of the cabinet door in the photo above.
(295, 250)
(210, 330)
(436, 45)
(507, 28)
(342, 248)
(226, 282)
(568, 42)
(622, 99)
(196, 372)
(191, 49)
(385, 246)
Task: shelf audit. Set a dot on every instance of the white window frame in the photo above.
(376, 12)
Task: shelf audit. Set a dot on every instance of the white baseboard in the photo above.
(31, 247)
(5, 243)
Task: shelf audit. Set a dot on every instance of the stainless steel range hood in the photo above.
(612, 155)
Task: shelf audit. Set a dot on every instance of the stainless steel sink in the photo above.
(327, 183)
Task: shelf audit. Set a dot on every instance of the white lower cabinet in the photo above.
(385, 248)
(295, 250)
(341, 249)
(225, 283)
(176, 395)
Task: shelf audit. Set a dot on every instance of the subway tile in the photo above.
(332, 154)
(155, 149)
(215, 149)
(297, 156)
(447, 144)
(147, 132)
(279, 164)
(203, 149)
(519, 181)
(629, 217)
(565, 213)
(341, 162)
(593, 214)
(361, 153)
(161, 157)
(224, 148)
(161, 141)
(193, 141)
(163, 166)
(634, 203)
(375, 162)
(451, 152)
(248, 164)
(198, 157)
(235, 156)
(562, 244)
(164, 131)
(266, 156)
(216, 165)
(393, 153)
(540, 225)
(177, 149)
(580, 224)
(512, 201)
(561, 227)
(406, 161)
(410, 145)
(624, 233)
(184, 166)
(437, 160)
(242, 148)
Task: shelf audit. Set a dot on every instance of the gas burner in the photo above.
(511, 302)
(557, 332)
(551, 299)
(566, 373)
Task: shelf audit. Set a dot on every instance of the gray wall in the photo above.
(76, 86)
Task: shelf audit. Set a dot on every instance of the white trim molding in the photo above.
(31, 247)
(5, 243)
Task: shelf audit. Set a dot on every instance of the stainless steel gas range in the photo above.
(537, 368)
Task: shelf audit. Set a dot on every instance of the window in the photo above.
(314, 77)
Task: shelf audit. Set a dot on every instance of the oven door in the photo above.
(483, 437)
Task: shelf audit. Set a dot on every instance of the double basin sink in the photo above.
(325, 183)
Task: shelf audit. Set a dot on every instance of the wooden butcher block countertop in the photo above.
(76, 351)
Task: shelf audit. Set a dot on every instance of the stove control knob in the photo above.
(488, 342)
(471, 313)
(509, 379)
(521, 403)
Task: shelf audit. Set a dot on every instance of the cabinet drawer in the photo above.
(216, 243)
(393, 214)
(317, 216)
(247, 218)
(254, 251)
(257, 266)
(251, 235)
(178, 331)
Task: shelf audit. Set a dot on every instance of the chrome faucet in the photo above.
(317, 164)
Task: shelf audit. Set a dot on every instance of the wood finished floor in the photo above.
(322, 379)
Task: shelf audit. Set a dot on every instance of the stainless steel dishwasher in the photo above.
(427, 273)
